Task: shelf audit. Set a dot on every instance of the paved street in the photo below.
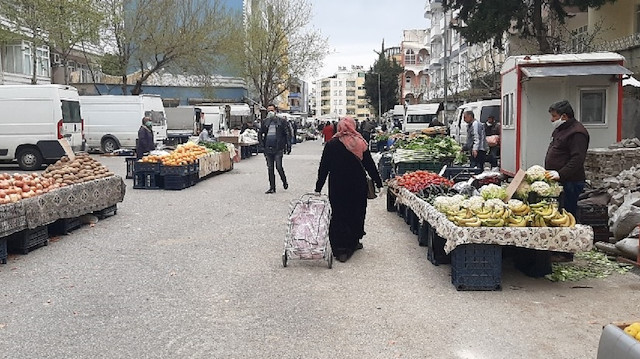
(198, 274)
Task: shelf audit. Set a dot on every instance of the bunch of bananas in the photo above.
(541, 214)
(546, 214)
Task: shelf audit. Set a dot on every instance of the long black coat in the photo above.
(145, 141)
(347, 193)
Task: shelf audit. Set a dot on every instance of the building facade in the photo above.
(343, 94)
(415, 59)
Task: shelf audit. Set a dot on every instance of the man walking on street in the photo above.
(275, 136)
(476, 140)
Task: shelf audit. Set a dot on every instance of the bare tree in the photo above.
(281, 46)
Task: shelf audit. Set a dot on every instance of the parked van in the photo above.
(481, 111)
(112, 121)
(418, 117)
(33, 118)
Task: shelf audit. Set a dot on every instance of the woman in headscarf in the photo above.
(344, 159)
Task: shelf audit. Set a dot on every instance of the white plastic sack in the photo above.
(628, 247)
(627, 217)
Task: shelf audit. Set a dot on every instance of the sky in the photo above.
(356, 28)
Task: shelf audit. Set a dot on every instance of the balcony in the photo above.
(436, 33)
(435, 63)
(620, 44)
(295, 95)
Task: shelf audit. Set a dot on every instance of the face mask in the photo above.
(558, 123)
(489, 124)
(271, 114)
(148, 124)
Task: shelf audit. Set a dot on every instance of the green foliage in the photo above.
(389, 71)
(586, 265)
(110, 65)
(490, 19)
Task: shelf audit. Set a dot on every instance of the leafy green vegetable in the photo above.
(586, 265)
(215, 146)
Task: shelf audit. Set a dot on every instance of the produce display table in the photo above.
(66, 202)
(213, 162)
(561, 239)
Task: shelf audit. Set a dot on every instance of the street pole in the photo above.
(379, 101)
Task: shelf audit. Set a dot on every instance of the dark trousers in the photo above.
(275, 159)
(479, 160)
(570, 193)
(494, 153)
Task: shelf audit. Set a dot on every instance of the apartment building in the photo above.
(343, 94)
(16, 63)
(415, 60)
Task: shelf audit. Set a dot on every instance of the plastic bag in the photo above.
(627, 217)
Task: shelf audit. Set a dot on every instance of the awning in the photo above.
(575, 70)
(630, 81)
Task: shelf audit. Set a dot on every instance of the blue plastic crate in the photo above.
(147, 180)
(435, 248)
(174, 170)
(173, 182)
(27, 240)
(3, 250)
(146, 167)
(477, 267)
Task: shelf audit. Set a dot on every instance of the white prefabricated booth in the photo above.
(591, 82)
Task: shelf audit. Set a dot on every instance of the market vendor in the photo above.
(476, 140)
(145, 142)
(566, 153)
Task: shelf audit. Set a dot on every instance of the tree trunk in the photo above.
(66, 72)
(137, 89)
(34, 64)
(540, 29)
(124, 84)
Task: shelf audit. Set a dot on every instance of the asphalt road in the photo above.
(198, 274)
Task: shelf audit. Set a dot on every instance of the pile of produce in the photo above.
(633, 330)
(184, 154)
(419, 180)
(489, 211)
(17, 186)
(82, 169)
(215, 146)
(538, 181)
(422, 148)
(585, 265)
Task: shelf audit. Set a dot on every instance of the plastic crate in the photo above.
(147, 180)
(3, 250)
(193, 179)
(404, 167)
(27, 240)
(601, 233)
(533, 263)
(194, 167)
(391, 201)
(384, 170)
(423, 234)
(401, 210)
(407, 215)
(461, 174)
(592, 215)
(414, 222)
(152, 167)
(174, 170)
(172, 182)
(476, 267)
(109, 211)
(65, 225)
(129, 161)
(435, 248)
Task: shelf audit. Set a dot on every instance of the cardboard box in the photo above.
(225, 161)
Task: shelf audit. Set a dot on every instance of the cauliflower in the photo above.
(555, 189)
(493, 191)
(494, 203)
(514, 203)
(523, 190)
(535, 173)
(542, 188)
(476, 202)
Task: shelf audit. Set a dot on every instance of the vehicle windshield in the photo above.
(490, 111)
(420, 118)
(71, 112)
(157, 117)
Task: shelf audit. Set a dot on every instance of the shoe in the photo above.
(343, 257)
(270, 191)
(285, 185)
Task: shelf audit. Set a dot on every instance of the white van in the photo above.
(113, 121)
(481, 111)
(418, 117)
(33, 118)
(214, 116)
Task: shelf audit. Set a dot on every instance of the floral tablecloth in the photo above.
(561, 239)
(66, 202)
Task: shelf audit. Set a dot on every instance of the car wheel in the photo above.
(109, 145)
(29, 159)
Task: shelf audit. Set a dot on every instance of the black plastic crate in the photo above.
(391, 201)
(172, 182)
(147, 180)
(385, 171)
(407, 215)
(193, 179)
(414, 222)
(477, 267)
(109, 211)
(401, 210)
(129, 161)
(152, 167)
(423, 234)
(174, 170)
(592, 215)
(404, 167)
(65, 225)
(3, 250)
(601, 233)
(461, 174)
(533, 263)
(435, 248)
(195, 167)
(27, 240)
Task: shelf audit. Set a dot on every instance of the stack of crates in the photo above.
(597, 217)
(28, 239)
(3, 250)
(175, 177)
(146, 175)
(477, 267)
(435, 248)
(384, 166)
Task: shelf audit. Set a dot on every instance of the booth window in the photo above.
(507, 110)
(592, 106)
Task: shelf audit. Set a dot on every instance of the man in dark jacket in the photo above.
(567, 152)
(145, 138)
(275, 136)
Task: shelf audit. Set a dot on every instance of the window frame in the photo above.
(581, 116)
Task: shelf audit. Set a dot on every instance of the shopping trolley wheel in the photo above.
(330, 262)
(284, 260)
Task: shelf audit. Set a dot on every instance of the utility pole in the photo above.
(379, 100)
(446, 64)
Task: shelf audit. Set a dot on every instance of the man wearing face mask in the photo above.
(275, 136)
(145, 142)
(567, 152)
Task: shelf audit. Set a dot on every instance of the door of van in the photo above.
(456, 126)
(71, 126)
